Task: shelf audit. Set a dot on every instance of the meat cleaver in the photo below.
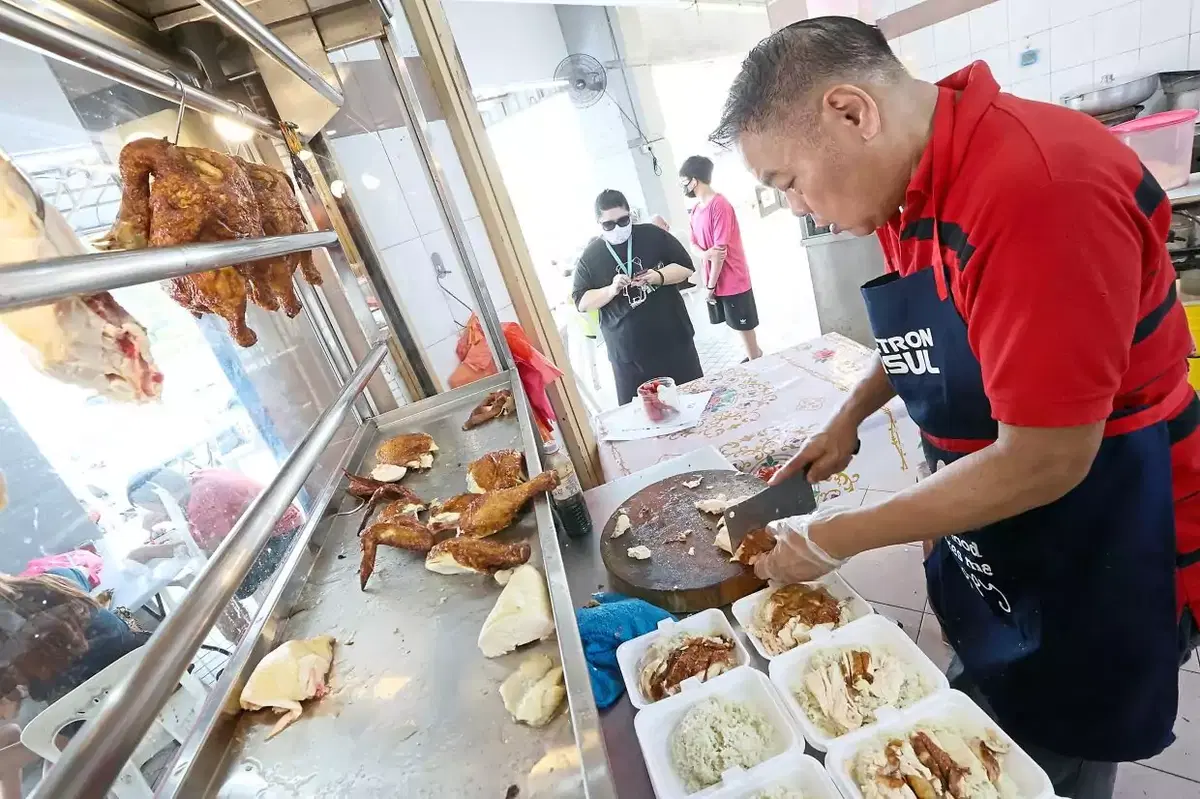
(793, 497)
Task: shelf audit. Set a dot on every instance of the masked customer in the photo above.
(631, 274)
(716, 234)
(1028, 319)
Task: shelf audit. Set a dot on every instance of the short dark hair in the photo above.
(789, 63)
(698, 168)
(610, 198)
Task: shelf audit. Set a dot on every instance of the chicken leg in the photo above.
(496, 510)
(404, 533)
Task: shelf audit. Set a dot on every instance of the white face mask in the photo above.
(618, 235)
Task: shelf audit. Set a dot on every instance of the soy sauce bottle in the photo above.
(567, 498)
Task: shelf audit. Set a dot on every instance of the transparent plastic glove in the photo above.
(795, 558)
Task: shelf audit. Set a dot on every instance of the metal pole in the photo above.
(49, 39)
(94, 758)
(239, 20)
(37, 282)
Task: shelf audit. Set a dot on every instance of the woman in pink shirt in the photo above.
(716, 233)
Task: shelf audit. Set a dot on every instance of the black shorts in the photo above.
(736, 310)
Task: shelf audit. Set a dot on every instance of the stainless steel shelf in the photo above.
(239, 20)
(39, 282)
(32, 31)
(91, 764)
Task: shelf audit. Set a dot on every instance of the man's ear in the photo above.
(846, 105)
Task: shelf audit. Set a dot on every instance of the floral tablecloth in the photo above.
(762, 412)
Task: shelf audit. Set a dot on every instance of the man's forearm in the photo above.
(674, 273)
(717, 263)
(871, 393)
(595, 299)
(1031, 469)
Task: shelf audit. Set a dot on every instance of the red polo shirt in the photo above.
(1054, 235)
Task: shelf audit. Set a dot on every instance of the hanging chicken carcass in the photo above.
(90, 342)
(182, 195)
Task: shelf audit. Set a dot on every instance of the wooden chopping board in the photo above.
(670, 578)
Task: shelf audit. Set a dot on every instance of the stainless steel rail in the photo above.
(239, 20)
(52, 40)
(39, 282)
(94, 758)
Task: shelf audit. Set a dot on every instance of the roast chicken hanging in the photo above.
(182, 195)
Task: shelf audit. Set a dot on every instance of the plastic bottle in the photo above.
(567, 498)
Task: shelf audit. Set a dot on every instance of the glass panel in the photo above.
(112, 507)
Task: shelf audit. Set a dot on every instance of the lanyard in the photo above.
(625, 266)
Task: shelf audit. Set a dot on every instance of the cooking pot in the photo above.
(1112, 93)
(1182, 89)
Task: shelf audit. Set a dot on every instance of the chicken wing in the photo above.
(196, 195)
(405, 532)
(406, 503)
(496, 471)
(498, 403)
(413, 450)
(460, 555)
(496, 510)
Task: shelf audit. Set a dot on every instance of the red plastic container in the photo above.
(659, 398)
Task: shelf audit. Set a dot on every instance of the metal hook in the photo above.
(182, 106)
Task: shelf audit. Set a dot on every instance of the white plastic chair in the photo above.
(173, 723)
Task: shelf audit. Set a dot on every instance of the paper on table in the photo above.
(629, 422)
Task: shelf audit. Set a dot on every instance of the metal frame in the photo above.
(56, 42)
(415, 121)
(246, 25)
(39, 282)
(94, 759)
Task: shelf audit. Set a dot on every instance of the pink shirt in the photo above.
(716, 224)
(218, 499)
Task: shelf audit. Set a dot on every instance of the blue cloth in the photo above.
(603, 628)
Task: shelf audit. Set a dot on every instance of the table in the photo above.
(761, 413)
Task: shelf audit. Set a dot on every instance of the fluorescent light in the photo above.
(338, 189)
(230, 131)
(370, 181)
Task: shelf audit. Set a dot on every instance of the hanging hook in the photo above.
(182, 106)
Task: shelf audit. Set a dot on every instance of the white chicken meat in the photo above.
(290, 674)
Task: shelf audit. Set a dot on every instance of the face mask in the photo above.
(618, 235)
(689, 193)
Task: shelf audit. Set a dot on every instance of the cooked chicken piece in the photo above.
(694, 483)
(756, 543)
(479, 555)
(787, 616)
(678, 538)
(405, 532)
(362, 487)
(388, 473)
(534, 691)
(639, 553)
(496, 510)
(288, 675)
(496, 471)
(281, 216)
(951, 775)
(90, 341)
(444, 514)
(196, 195)
(713, 505)
(404, 502)
(498, 403)
(413, 450)
(668, 663)
(987, 756)
(622, 526)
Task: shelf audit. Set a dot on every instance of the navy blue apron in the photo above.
(1063, 616)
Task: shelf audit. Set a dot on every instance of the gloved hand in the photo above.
(795, 557)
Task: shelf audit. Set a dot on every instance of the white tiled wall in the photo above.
(1078, 41)
(386, 178)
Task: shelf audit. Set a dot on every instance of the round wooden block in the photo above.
(671, 578)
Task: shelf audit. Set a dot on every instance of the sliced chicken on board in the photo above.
(290, 674)
(90, 342)
(496, 471)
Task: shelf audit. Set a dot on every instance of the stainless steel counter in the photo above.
(414, 708)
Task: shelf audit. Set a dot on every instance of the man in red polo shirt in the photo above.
(1029, 322)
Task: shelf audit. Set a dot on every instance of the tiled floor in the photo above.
(893, 581)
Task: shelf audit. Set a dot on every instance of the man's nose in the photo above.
(796, 203)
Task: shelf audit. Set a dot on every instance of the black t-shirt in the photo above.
(640, 316)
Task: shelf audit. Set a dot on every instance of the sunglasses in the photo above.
(610, 224)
